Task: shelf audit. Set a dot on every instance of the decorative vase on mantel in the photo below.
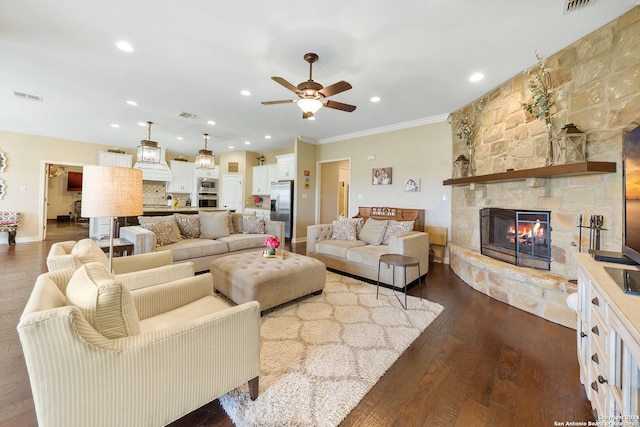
(461, 167)
(549, 160)
(472, 166)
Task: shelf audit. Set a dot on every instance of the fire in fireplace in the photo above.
(519, 237)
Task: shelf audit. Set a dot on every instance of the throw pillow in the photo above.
(164, 234)
(396, 228)
(175, 230)
(343, 229)
(103, 301)
(359, 222)
(252, 225)
(237, 218)
(214, 224)
(88, 251)
(189, 225)
(373, 231)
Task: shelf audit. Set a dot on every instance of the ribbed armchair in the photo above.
(135, 271)
(98, 354)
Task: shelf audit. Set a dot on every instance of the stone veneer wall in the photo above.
(598, 88)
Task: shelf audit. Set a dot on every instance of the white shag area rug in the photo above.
(322, 354)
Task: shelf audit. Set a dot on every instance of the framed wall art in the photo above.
(381, 176)
(3, 161)
(412, 185)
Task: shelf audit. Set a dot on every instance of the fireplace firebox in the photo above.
(518, 237)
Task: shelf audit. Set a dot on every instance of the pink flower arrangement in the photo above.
(272, 242)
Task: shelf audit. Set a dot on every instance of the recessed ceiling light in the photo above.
(115, 125)
(476, 77)
(311, 118)
(179, 138)
(247, 142)
(122, 45)
(375, 99)
(245, 92)
(211, 122)
(231, 147)
(134, 103)
(267, 137)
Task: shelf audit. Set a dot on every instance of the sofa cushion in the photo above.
(175, 230)
(214, 224)
(359, 222)
(369, 254)
(194, 310)
(343, 229)
(396, 228)
(252, 225)
(103, 301)
(188, 249)
(164, 234)
(337, 248)
(86, 250)
(373, 231)
(236, 220)
(189, 225)
(238, 242)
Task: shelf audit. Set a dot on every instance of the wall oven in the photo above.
(207, 201)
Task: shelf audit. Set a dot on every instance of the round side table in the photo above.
(395, 260)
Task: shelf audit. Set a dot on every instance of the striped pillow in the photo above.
(103, 301)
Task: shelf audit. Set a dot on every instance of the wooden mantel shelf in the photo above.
(566, 169)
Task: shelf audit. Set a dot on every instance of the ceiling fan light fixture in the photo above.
(309, 105)
(205, 158)
(148, 151)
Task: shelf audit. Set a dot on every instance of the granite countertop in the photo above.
(168, 209)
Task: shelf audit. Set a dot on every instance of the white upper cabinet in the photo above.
(208, 173)
(183, 177)
(287, 166)
(114, 159)
(261, 185)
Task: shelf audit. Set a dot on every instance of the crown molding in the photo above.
(383, 129)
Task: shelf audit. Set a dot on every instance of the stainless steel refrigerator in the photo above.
(282, 205)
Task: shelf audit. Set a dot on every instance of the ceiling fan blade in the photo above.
(286, 101)
(286, 84)
(335, 88)
(339, 106)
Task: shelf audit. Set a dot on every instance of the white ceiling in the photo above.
(196, 56)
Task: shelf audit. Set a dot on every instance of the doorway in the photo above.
(333, 190)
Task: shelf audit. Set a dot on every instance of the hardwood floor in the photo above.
(480, 363)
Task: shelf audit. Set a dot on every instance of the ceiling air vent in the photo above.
(27, 96)
(188, 115)
(571, 5)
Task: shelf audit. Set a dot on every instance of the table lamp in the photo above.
(113, 192)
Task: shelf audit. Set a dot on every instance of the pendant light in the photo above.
(205, 158)
(148, 151)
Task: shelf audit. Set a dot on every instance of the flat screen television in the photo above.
(631, 185)
(74, 181)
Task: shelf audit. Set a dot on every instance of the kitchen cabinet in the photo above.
(261, 185)
(286, 166)
(608, 342)
(114, 159)
(208, 173)
(183, 177)
(272, 174)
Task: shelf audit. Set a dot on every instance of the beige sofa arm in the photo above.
(316, 233)
(276, 228)
(144, 241)
(128, 264)
(414, 244)
(200, 360)
(158, 275)
(60, 257)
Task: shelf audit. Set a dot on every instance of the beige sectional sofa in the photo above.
(202, 237)
(358, 253)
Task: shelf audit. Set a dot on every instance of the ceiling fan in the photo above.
(312, 95)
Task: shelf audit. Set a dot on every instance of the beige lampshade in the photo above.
(111, 191)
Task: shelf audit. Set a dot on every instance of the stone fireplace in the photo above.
(522, 238)
(598, 89)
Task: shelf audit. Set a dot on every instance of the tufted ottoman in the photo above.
(270, 281)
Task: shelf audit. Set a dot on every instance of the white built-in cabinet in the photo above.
(286, 166)
(208, 173)
(114, 159)
(608, 325)
(182, 180)
(263, 176)
(101, 226)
